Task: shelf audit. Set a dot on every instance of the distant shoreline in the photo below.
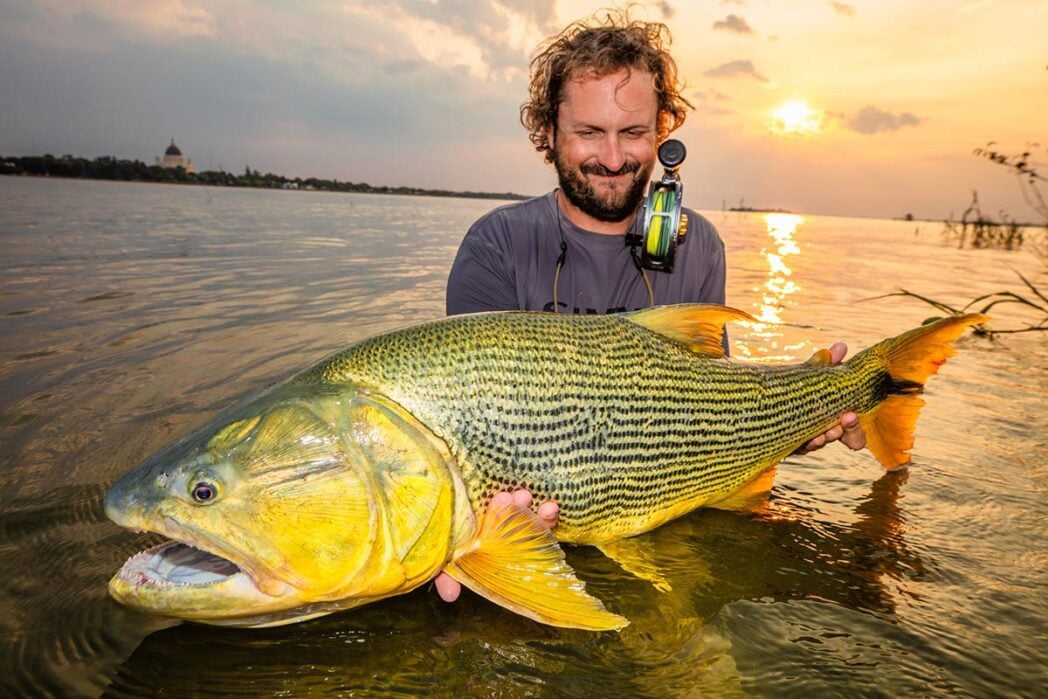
(759, 210)
(110, 168)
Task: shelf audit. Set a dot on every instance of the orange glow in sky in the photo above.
(815, 106)
(796, 118)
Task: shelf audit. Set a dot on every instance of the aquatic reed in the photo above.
(977, 230)
(1035, 300)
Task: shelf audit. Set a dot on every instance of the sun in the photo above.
(796, 118)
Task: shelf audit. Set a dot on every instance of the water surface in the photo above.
(132, 313)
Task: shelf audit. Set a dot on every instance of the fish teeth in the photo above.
(176, 564)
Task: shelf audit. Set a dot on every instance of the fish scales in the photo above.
(620, 425)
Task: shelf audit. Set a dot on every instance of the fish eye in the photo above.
(203, 492)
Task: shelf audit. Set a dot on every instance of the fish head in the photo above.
(305, 501)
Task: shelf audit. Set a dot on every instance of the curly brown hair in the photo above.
(601, 45)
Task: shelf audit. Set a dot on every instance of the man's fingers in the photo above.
(837, 352)
(522, 498)
(832, 434)
(548, 513)
(501, 499)
(448, 588)
(853, 436)
(815, 443)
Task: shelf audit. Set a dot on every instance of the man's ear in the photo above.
(551, 132)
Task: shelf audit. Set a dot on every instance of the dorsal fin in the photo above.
(699, 326)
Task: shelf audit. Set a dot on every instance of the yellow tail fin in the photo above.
(910, 359)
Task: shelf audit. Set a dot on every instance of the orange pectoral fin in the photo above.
(517, 563)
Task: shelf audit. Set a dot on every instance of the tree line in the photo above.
(109, 168)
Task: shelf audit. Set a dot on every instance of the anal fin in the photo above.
(518, 564)
(752, 497)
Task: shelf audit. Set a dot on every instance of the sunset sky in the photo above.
(865, 108)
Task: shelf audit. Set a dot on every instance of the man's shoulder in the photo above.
(516, 212)
(505, 227)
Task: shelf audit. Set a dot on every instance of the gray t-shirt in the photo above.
(508, 261)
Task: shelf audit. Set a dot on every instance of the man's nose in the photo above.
(611, 154)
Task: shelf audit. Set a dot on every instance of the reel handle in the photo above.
(672, 154)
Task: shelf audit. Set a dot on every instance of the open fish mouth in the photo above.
(174, 563)
(180, 580)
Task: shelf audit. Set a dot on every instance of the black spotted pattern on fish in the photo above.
(619, 424)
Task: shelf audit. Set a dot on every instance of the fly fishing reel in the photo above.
(664, 225)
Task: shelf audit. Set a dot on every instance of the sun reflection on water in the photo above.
(777, 287)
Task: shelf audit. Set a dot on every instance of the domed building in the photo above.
(173, 158)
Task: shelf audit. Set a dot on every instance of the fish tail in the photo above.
(908, 360)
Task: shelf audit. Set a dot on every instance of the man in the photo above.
(602, 99)
(604, 94)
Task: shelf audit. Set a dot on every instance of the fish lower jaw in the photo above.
(175, 565)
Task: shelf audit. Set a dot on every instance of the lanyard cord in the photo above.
(643, 274)
(560, 266)
(564, 254)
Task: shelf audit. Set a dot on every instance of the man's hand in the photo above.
(847, 430)
(449, 589)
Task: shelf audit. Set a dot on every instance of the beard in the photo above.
(610, 208)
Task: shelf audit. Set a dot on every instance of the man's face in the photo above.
(604, 142)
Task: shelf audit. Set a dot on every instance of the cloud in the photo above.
(301, 96)
(733, 23)
(843, 8)
(711, 102)
(870, 119)
(96, 25)
(734, 69)
(160, 19)
(709, 96)
(540, 12)
(666, 9)
(492, 38)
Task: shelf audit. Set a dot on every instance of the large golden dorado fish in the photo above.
(366, 475)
